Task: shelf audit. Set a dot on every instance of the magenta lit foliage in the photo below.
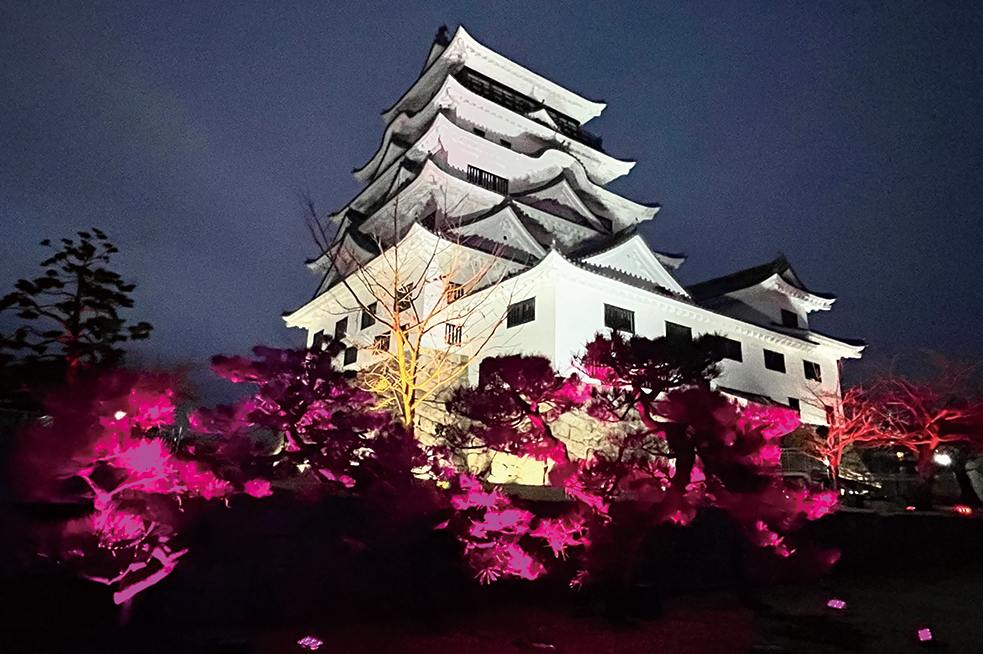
(328, 429)
(668, 447)
(323, 419)
(109, 445)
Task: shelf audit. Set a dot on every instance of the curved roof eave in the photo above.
(576, 106)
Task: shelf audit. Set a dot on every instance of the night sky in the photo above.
(848, 135)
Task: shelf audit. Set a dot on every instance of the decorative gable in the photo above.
(634, 257)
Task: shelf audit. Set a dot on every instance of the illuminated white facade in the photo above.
(484, 161)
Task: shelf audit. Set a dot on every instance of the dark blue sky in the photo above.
(848, 135)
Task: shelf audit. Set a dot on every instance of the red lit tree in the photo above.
(855, 421)
(924, 416)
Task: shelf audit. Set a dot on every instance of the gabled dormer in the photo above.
(770, 294)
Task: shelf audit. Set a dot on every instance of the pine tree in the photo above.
(71, 313)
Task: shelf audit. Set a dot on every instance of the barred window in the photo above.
(454, 291)
(452, 334)
(521, 312)
(487, 180)
(619, 319)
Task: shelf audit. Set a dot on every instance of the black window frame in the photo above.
(368, 315)
(491, 181)
(453, 334)
(404, 298)
(379, 339)
(790, 319)
(341, 329)
(520, 313)
(728, 346)
(350, 355)
(812, 370)
(453, 292)
(780, 358)
(619, 319)
(795, 405)
(317, 343)
(675, 333)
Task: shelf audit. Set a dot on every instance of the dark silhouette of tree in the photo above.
(71, 312)
(667, 447)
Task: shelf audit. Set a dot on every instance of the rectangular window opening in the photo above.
(368, 315)
(341, 328)
(790, 318)
(732, 349)
(678, 333)
(793, 403)
(381, 342)
(452, 334)
(453, 291)
(812, 370)
(404, 299)
(318, 343)
(505, 143)
(619, 319)
(487, 180)
(351, 355)
(774, 361)
(521, 312)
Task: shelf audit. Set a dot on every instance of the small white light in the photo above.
(942, 458)
(119, 415)
(900, 455)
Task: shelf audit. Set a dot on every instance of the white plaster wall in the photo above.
(580, 315)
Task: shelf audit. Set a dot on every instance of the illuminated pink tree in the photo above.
(322, 421)
(668, 446)
(114, 435)
(691, 447)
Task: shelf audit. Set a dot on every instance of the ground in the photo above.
(262, 575)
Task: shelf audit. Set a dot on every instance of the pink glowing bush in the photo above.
(114, 435)
(502, 540)
(667, 448)
(321, 418)
(326, 430)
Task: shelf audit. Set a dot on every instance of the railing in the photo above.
(521, 104)
(487, 180)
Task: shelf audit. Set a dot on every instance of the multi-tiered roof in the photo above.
(487, 152)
